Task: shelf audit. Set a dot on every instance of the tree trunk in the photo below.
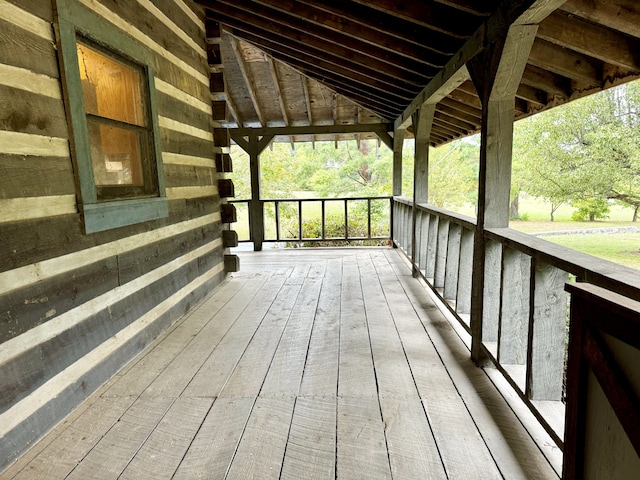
(514, 213)
(635, 213)
(552, 212)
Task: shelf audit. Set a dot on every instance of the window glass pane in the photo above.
(111, 88)
(116, 154)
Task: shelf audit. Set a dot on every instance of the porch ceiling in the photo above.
(325, 62)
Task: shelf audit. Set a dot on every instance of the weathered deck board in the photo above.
(308, 364)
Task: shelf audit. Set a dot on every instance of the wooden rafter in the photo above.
(439, 17)
(621, 15)
(333, 72)
(320, 15)
(317, 41)
(604, 44)
(276, 83)
(565, 62)
(307, 98)
(248, 79)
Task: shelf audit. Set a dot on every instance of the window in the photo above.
(109, 91)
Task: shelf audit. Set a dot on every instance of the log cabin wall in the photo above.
(75, 307)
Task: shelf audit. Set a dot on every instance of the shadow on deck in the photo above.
(319, 363)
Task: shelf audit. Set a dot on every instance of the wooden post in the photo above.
(398, 143)
(254, 145)
(496, 73)
(422, 122)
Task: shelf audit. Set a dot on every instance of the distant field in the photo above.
(621, 248)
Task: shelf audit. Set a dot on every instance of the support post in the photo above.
(496, 74)
(254, 144)
(398, 143)
(422, 122)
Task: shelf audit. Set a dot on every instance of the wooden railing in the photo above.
(603, 399)
(525, 314)
(299, 233)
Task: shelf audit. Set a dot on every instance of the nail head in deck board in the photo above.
(214, 373)
(361, 450)
(213, 448)
(286, 369)
(262, 446)
(116, 449)
(480, 396)
(193, 362)
(73, 440)
(177, 428)
(311, 446)
(249, 373)
(320, 377)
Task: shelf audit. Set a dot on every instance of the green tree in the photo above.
(584, 153)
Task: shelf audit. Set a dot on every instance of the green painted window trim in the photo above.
(73, 20)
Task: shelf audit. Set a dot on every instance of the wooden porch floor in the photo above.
(314, 364)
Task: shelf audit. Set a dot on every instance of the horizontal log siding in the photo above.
(64, 294)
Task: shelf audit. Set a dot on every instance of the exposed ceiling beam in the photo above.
(460, 124)
(264, 39)
(590, 39)
(565, 62)
(496, 26)
(621, 15)
(462, 96)
(247, 79)
(396, 91)
(307, 98)
(547, 81)
(531, 94)
(283, 108)
(314, 129)
(334, 81)
(322, 40)
(429, 14)
(345, 26)
(476, 7)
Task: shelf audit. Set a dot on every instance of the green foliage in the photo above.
(334, 228)
(587, 151)
(590, 209)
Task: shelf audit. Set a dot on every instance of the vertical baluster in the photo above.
(465, 269)
(369, 218)
(441, 253)
(300, 220)
(322, 208)
(276, 204)
(453, 260)
(548, 317)
(346, 219)
(514, 312)
(432, 244)
(424, 235)
(491, 294)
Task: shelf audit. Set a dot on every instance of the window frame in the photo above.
(75, 23)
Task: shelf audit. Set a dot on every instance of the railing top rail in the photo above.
(314, 199)
(463, 220)
(604, 273)
(325, 199)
